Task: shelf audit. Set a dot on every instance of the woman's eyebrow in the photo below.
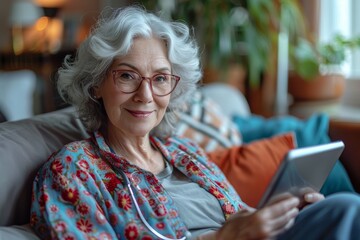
(163, 69)
(136, 69)
(126, 64)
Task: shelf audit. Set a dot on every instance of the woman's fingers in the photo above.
(280, 215)
(313, 197)
(306, 195)
(284, 221)
(264, 223)
(283, 203)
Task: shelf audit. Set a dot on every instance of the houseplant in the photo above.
(211, 21)
(317, 71)
(215, 23)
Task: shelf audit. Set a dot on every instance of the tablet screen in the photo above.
(303, 168)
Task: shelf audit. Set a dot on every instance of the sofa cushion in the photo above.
(206, 124)
(231, 100)
(250, 167)
(24, 147)
(17, 90)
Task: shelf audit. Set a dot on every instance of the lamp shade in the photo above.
(24, 13)
(50, 3)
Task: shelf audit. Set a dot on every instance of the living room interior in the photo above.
(253, 52)
(53, 29)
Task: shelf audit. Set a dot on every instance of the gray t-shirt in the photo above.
(199, 209)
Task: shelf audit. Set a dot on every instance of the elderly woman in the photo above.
(132, 179)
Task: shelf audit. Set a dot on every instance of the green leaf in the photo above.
(308, 68)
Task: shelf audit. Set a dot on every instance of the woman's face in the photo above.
(136, 114)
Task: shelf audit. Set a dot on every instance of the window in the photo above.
(340, 17)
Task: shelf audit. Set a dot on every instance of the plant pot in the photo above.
(322, 87)
(234, 75)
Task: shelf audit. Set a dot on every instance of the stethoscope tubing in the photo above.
(143, 219)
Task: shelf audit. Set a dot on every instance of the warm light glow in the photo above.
(54, 35)
(41, 24)
(44, 36)
(17, 40)
(50, 3)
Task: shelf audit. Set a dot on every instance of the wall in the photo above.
(4, 24)
(352, 96)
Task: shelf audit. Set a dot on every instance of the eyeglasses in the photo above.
(160, 84)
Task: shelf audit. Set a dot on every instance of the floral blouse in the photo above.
(79, 194)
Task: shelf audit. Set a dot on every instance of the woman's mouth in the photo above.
(140, 114)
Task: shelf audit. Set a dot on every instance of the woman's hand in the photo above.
(309, 196)
(264, 223)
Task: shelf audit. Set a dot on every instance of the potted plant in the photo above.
(317, 71)
(212, 22)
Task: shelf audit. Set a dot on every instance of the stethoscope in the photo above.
(145, 222)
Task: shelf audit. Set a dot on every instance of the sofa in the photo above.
(26, 144)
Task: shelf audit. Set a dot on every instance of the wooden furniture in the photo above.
(349, 132)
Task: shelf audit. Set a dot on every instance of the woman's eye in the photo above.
(126, 75)
(160, 78)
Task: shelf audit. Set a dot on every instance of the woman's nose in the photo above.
(144, 92)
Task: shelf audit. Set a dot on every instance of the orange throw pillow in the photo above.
(250, 167)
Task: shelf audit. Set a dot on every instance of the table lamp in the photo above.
(54, 25)
(22, 14)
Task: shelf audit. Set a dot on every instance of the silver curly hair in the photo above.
(113, 36)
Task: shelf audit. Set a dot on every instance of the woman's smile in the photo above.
(140, 114)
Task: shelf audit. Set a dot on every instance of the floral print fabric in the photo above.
(79, 193)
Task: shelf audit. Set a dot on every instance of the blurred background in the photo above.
(286, 56)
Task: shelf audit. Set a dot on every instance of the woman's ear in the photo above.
(96, 92)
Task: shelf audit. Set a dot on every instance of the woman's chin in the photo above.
(140, 132)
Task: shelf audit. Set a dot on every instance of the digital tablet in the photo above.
(303, 168)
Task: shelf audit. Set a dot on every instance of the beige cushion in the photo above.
(206, 124)
(230, 100)
(24, 146)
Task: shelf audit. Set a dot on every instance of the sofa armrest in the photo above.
(24, 146)
(349, 133)
(17, 232)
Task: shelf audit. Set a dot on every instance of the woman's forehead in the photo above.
(148, 51)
